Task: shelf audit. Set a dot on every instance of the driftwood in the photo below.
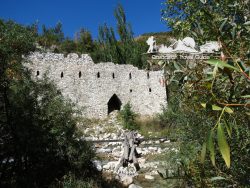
(130, 153)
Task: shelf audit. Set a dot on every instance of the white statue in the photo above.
(210, 47)
(186, 46)
(165, 49)
(152, 43)
(188, 41)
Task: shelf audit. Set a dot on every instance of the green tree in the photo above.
(38, 136)
(123, 51)
(51, 36)
(84, 41)
(68, 46)
(128, 117)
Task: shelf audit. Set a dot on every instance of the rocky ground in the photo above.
(109, 153)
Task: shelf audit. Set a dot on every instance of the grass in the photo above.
(151, 127)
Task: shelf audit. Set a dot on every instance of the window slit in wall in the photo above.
(37, 73)
(113, 75)
(150, 90)
(130, 90)
(80, 74)
(61, 74)
(148, 75)
(98, 75)
(130, 76)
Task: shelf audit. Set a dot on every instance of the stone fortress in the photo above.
(103, 87)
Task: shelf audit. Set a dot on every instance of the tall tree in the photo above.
(123, 28)
(51, 36)
(84, 41)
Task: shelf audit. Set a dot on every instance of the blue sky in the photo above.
(144, 15)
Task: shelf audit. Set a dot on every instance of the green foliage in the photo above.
(51, 36)
(39, 139)
(84, 41)
(223, 145)
(212, 94)
(128, 117)
(68, 46)
(123, 51)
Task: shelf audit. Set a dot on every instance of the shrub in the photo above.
(128, 117)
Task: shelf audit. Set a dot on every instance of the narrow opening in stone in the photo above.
(61, 74)
(113, 75)
(114, 103)
(37, 73)
(130, 76)
(98, 75)
(149, 90)
(80, 74)
(148, 75)
(130, 90)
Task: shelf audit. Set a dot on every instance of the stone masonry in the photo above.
(103, 87)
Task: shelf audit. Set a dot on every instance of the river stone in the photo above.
(134, 186)
(149, 177)
(98, 165)
(102, 150)
(127, 180)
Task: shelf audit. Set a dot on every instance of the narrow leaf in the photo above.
(176, 66)
(245, 96)
(233, 32)
(160, 63)
(203, 105)
(228, 110)
(247, 23)
(223, 145)
(216, 108)
(217, 178)
(215, 70)
(203, 152)
(229, 129)
(210, 146)
(221, 64)
(222, 25)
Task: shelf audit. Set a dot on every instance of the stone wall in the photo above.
(92, 85)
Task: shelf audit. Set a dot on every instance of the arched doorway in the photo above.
(114, 103)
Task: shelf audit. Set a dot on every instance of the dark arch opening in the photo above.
(37, 73)
(114, 103)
